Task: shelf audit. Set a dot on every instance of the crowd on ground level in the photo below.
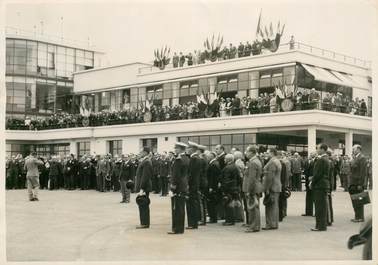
(222, 107)
(214, 184)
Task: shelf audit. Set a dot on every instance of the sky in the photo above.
(129, 31)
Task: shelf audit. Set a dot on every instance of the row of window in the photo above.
(37, 58)
(32, 95)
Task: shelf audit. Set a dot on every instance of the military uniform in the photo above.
(357, 181)
(115, 175)
(163, 175)
(179, 188)
(143, 182)
(203, 189)
(213, 179)
(85, 173)
(320, 186)
(309, 208)
(193, 204)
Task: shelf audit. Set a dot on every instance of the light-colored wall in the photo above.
(128, 75)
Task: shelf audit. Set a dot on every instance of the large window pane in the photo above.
(237, 139)
(214, 140)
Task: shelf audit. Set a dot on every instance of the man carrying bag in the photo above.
(356, 190)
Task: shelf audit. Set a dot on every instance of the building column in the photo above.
(348, 143)
(73, 148)
(166, 143)
(311, 139)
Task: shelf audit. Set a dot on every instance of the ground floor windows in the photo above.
(83, 148)
(150, 143)
(115, 147)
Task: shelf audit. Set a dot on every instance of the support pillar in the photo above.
(348, 143)
(73, 148)
(311, 139)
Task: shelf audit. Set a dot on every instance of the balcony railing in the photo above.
(175, 113)
(285, 47)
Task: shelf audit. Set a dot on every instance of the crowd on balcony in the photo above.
(220, 107)
(199, 57)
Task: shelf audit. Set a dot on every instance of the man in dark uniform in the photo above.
(219, 150)
(308, 171)
(155, 178)
(203, 184)
(116, 169)
(329, 193)
(179, 188)
(125, 175)
(282, 200)
(193, 204)
(320, 186)
(230, 188)
(213, 179)
(163, 174)
(357, 180)
(144, 186)
(72, 170)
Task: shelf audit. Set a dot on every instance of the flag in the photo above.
(258, 24)
(271, 29)
(148, 104)
(283, 27)
(198, 99)
(266, 32)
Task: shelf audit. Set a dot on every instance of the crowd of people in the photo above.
(220, 185)
(222, 107)
(199, 57)
(227, 52)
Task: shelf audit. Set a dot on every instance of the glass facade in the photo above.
(242, 140)
(39, 77)
(44, 150)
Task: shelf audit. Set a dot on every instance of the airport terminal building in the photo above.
(300, 67)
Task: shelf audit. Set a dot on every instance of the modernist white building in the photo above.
(125, 86)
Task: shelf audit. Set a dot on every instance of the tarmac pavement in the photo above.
(93, 226)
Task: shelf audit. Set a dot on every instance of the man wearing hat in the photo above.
(203, 183)
(144, 187)
(125, 177)
(179, 188)
(193, 204)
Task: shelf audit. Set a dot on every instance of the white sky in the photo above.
(129, 31)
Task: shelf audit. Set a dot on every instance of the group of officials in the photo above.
(222, 186)
(230, 187)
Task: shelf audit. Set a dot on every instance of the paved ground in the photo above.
(92, 226)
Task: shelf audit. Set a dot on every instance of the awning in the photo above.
(334, 77)
(323, 75)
